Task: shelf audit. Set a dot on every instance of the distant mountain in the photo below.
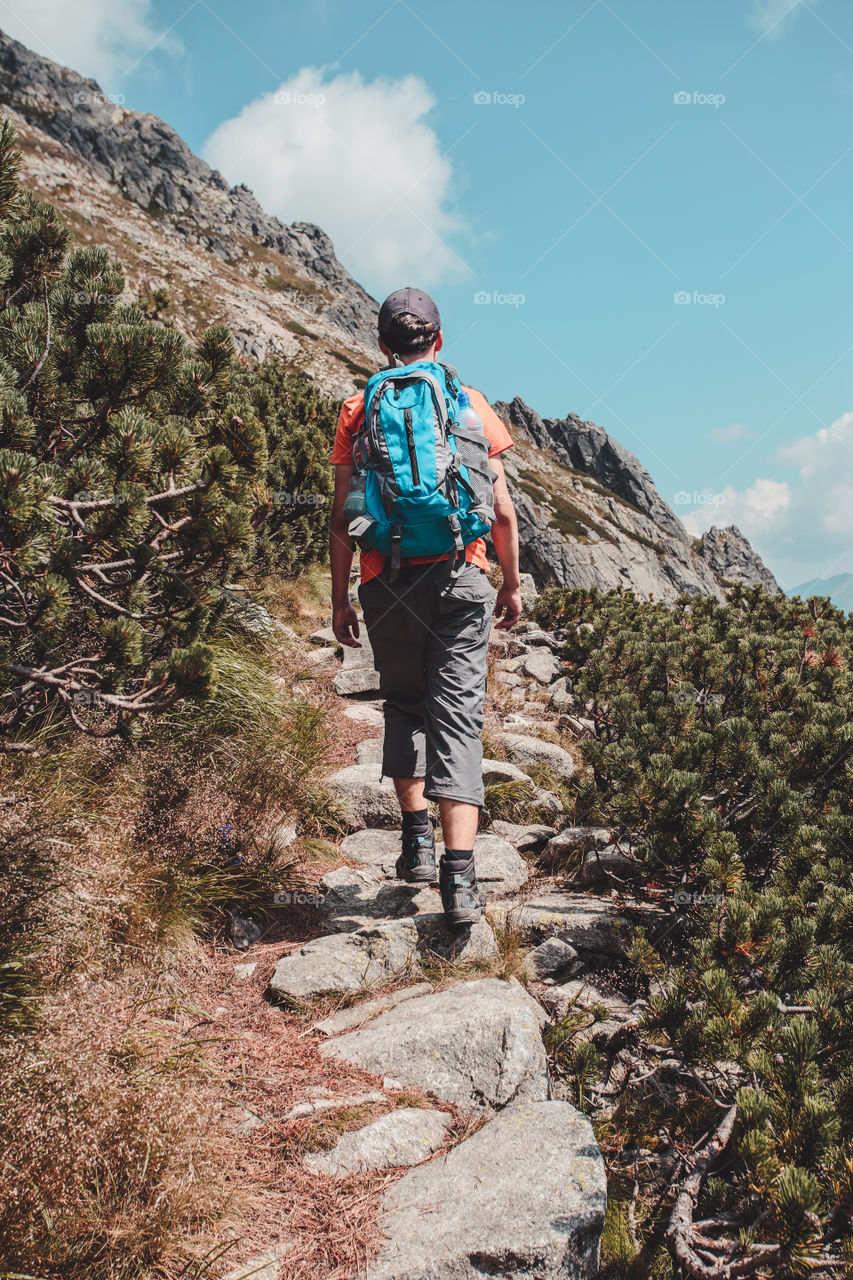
(839, 588)
(589, 513)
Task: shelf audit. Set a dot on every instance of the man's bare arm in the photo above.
(344, 617)
(505, 540)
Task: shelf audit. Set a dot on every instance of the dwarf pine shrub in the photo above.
(723, 748)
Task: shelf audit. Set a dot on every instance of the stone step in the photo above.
(371, 956)
(525, 1196)
(404, 1136)
(475, 1044)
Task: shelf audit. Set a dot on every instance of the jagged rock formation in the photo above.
(588, 448)
(126, 179)
(733, 559)
(589, 515)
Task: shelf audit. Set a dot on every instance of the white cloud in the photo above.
(804, 528)
(771, 16)
(729, 434)
(356, 158)
(98, 38)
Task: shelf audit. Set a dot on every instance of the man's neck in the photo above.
(421, 355)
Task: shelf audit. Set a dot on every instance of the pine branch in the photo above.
(699, 1256)
(102, 504)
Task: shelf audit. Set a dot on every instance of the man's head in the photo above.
(409, 326)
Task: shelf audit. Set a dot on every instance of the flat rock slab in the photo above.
(356, 1014)
(525, 750)
(356, 896)
(365, 800)
(322, 1102)
(369, 751)
(478, 1043)
(370, 956)
(326, 636)
(588, 923)
(354, 680)
(401, 1137)
(525, 1196)
(373, 848)
(365, 713)
(497, 771)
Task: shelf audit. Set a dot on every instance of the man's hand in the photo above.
(345, 625)
(508, 606)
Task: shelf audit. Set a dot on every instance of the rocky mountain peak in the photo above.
(732, 559)
(586, 447)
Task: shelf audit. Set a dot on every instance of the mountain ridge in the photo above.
(589, 512)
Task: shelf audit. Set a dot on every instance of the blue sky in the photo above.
(637, 212)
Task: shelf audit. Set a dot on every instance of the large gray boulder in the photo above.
(351, 681)
(364, 798)
(478, 1043)
(401, 1137)
(615, 861)
(568, 848)
(371, 956)
(552, 958)
(542, 665)
(525, 751)
(525, 1196)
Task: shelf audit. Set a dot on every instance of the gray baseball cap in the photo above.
(408, 301)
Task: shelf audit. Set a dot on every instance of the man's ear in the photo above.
(386, 351)
(439, 342)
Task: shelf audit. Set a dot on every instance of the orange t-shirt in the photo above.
(349, 424)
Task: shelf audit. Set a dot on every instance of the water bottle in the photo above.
(468, 416)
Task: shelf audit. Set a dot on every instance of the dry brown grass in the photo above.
(131, 1051)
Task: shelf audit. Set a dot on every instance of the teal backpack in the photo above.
(421, 483)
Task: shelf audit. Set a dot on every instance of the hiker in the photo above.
(418, 492)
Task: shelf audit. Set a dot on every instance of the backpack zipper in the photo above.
(413, 454)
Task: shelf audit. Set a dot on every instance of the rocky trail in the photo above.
(459, 1016)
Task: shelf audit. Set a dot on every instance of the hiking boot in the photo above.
(416, 864)
(460, 896)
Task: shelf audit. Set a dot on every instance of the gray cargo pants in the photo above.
(430, 641)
